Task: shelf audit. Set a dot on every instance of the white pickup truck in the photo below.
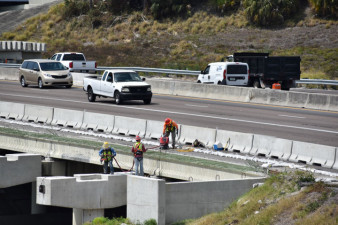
(75, 61)
(118, 84)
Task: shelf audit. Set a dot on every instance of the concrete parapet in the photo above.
(188, 135)
(9, 73)
(98, 122)
(335, 165)
(190, 200)
(162, 87)
(297, 99)
(16, 169)
(318, 101)
(154, 129)
(269, 146)
(129, 126)
(38, 114)
(67, 118)
(11, 110)
(83, 191)
(235, 141)
(313, 154)
(146, 199)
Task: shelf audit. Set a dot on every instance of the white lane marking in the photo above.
(182, 113)
(200, 106)
(299, 117)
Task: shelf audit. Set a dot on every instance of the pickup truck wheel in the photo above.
(147, 101)
(256, 84)
(117, 97)
(23, 82)
(91, 95)
(40, 83)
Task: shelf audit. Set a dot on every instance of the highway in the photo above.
(306, 125)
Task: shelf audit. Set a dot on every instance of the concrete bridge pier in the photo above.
(80, 216)
(87, 194)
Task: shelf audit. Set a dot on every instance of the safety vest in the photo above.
(138, 146)
(169, 127)
(107, 155)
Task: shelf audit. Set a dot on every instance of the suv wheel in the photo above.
(23, 82)
(40, 83)
(147, 101)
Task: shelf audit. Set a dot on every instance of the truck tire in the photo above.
(117, 97)
(147, 101)
(91, 95)
(256, 84)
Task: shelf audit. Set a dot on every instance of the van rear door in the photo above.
(237, 74)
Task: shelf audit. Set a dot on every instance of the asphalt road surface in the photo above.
(315, 126)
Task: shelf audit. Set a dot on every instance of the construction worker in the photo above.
(138, 149)
(170, 127)
(107, 154)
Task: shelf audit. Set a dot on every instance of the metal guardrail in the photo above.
(183, 72)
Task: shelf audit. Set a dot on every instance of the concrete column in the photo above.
(146, 199)
(80, 216)
(35, 208)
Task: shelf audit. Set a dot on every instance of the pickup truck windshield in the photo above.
(126, 77)
(50, 66)
(74, 57)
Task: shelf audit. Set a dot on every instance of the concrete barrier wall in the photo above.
(188, 134)
(271, 147)
(146, 200)
(9, 74)
(190, 200)
(38, 114)
(98, 122)
(313, 154)
(129, 126)
(154, 129)
(16, 169)
(335, 165)
(84, 191)
(11, 110)
(235, 141)
(67, 118)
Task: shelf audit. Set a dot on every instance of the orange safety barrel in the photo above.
(276, 86)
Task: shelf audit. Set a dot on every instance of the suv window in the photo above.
(51, 66)
(237, 69)
(24, 64)
(35, 66)
(30, 65)
(58, 57)
(53, 57)
(73, 57)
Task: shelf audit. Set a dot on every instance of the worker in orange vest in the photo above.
(170, 127)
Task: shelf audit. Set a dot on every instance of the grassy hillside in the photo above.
(285, 198)
(190, 42)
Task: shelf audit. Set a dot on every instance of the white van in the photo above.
(229, 73)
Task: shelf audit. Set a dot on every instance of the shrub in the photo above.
(166, 8)
(74, 8)
(269, 12)
(325, 8)
(227, 5)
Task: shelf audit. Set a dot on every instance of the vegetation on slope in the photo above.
(183, 34)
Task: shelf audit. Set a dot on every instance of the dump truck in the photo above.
(265, 70)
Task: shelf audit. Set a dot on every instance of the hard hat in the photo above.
(167, 120)
(105, 145)
(138, 138)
